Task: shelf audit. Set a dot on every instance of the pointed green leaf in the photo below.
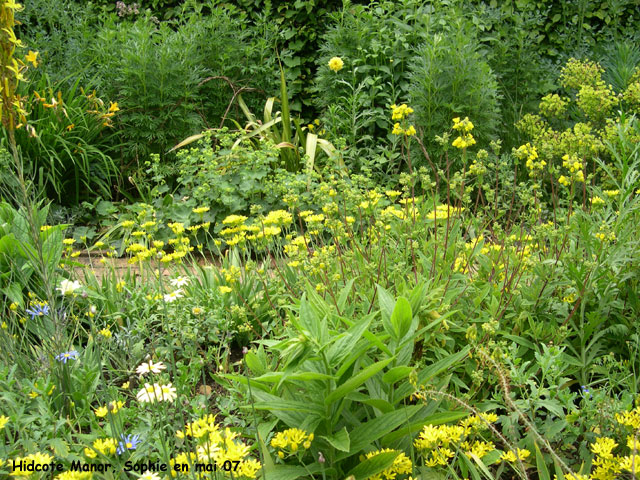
(339, 440)
(401, 318)
(355, 381)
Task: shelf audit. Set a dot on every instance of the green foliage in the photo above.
(219, 173)
(450, 79)
(300, 26)
(69, 142)
(340, 378)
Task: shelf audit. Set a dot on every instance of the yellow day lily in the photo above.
(32, 57)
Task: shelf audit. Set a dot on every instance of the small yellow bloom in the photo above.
(225, 289)
(101, 411)
(32, 57)
(105, 332)
(113, 107)
(336, 64)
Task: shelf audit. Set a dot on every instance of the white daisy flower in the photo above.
(150, 367)
(67, 287)
(173, 296)
(179, 282)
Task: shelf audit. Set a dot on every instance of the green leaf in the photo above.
(543, 472)
(387, 304)
(355, 381)
(367, 433)
(442, 365)
(396, 373)
(373, 465)
(254, 363)
(288, 472)
(401, 318)
(435, 419)
(344, 294)
(339, 440)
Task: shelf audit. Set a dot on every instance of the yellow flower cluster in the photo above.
(630, 419)
(290, 440)
(237, 233)
(215, 445)
(400, 113)
(529, 153)
(35, 458)
(401, 465)
(512, 457)
(438, 442)
(464, 127)
(104, 446)
(74, 475)
(575, 168)
(199, 428)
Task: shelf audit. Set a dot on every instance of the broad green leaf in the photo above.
(344, 294)
(396, 373)
(345, 345)
(373, 465)
(401, 318)
(367, 433)
(435, 419)
(339, 440)
(387, 304)
(355, 381)
(254, 363)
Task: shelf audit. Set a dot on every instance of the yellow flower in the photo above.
(113, 107)
(397, 129)
(3, 421)
(465, 125)
(101, 411)
(603, 446)
(464, 141)
(33, 394)
(200, 210)
(32, 57)
(510, 456)
(234, 220)
(105, 332)
(336, 64)
(69, 241)
(225, 289)
(127, 224)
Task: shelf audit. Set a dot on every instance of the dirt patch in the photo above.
(122, 268)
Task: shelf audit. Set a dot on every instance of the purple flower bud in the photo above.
(321, 458)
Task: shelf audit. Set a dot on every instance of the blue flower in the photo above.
(38, 310)
(127, 442)
(585, 390)
(64, 356)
